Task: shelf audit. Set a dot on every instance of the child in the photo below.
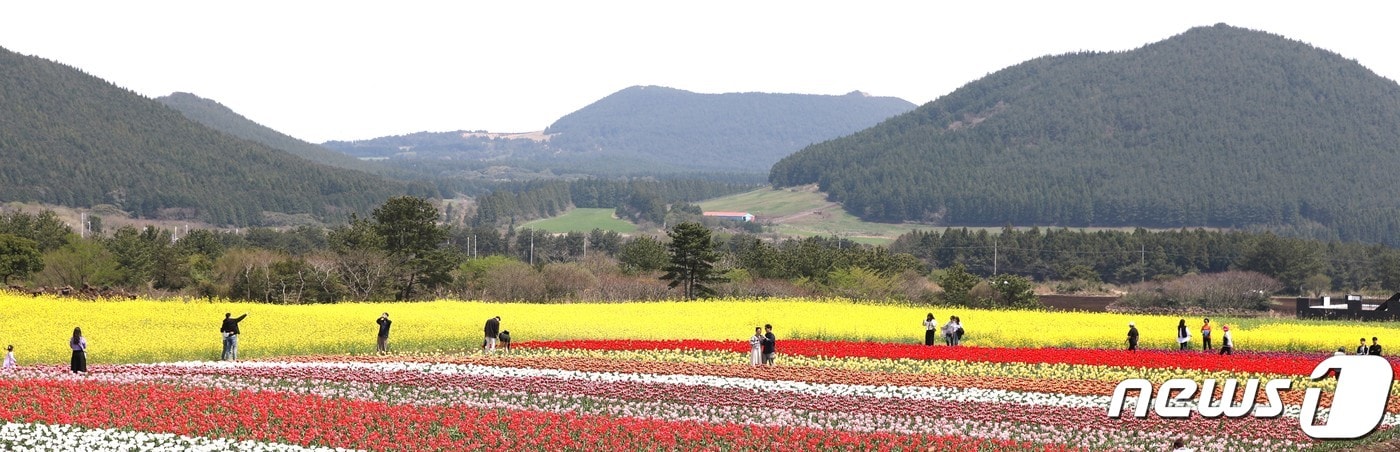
(9, 356)
(504, 339)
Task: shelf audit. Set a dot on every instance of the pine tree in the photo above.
(692, 260)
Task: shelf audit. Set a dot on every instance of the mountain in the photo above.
(744, 132)
(646, 130)
(218, 117)
(1218, 126)
(72, 139)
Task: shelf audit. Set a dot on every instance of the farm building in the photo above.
(736, 216)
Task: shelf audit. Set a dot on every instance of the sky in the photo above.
(346, 70)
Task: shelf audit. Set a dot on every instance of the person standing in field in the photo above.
(756, 347)
(1375, 347)
(1132, 336)
(10, 356)
(1227, 344)
(79, 345)
(382, 344)
(493, 329)
(930, 329)
(770, 345)
(950, 331)
(1183, 336)
(1362, 349)
(230, 332)
(1205, 335)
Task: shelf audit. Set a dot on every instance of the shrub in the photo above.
(1215, 292)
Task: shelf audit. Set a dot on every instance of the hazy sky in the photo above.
(343, 70)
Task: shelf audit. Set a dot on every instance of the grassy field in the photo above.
(768, 202)
(805, 212)
(583, 220)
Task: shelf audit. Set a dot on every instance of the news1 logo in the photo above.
(1358, 404)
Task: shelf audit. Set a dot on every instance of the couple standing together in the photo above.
(762, 346)
(952, 331)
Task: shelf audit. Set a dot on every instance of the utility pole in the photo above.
(1142, 262)
(532, 247)
(995, 254)
(83, 228)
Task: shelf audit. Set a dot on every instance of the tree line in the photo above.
(1126, 257)
(404, 251)
(635, 199)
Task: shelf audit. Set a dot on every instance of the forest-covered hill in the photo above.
(71, 139)
(1218, 126)
(218, 117)
(645, 130)
(744, 132)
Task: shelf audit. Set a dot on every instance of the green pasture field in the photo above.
(805, 212)
(583, 220)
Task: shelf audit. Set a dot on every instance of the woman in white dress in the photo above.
(756, 347)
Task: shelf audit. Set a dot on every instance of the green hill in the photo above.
(218, 117)
(72, 139)
(643, 131)
(679, 130)
(1218, 126)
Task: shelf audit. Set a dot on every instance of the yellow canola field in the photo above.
(173, 330)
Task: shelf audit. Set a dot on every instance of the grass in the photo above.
(583, 220)
(805, 212)
(768, 202)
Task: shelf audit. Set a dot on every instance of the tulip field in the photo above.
(634, 376)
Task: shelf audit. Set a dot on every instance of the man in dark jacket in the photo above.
(770, 345)
(382, 345)
(230, 332)
(493, 328)
(1132, 336)
(1375, 347)
(1363, 349)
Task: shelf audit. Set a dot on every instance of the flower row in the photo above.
(1069, 380)
(22, 436)
(330, 422)
(1246, 362)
